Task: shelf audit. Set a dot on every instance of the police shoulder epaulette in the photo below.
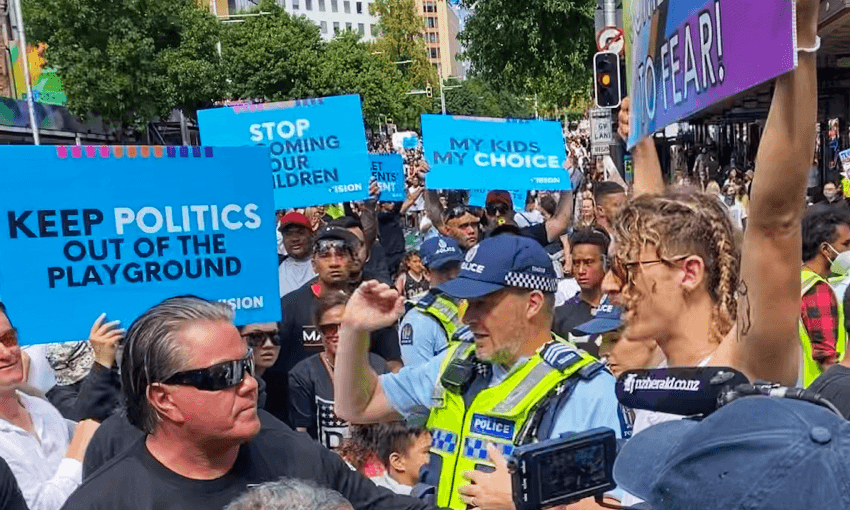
(560, 356)
(592, 370)
(463, 334)
(427, 300)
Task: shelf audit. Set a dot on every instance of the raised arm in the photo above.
(358, 396)
(647, 167)
(769, 296)
(556, 225)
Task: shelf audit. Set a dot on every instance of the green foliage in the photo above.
(348, 67)
(544, 46)
(401, 40)
(273, 56)
(129, 60)
(477, 98)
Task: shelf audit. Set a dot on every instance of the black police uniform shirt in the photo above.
(300, 339)
(135, 480)
(11, 497)
(311, 399)
(834, 385)
(573, 313)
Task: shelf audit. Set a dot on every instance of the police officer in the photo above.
(515, 384)
(435, 318)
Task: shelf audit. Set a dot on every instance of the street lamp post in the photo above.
(22, 43)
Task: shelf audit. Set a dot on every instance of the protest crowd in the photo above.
(467, 325)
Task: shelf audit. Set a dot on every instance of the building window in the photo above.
(361, 28)
(435, 52)
(373, 29)
(295, 6)
(322, 5)
(429, 7)
(336, 27)
(432, 37)
(348, 27)
(334, 7)
(346, 6)
(431, 22)
(308, 4)
(324, 25)
(359, 7)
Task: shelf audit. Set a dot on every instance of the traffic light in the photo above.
(606, 69)
(429, 92)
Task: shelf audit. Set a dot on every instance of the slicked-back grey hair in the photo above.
(153, 353)
(289, 494)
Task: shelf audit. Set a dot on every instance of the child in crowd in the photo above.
(403, 449)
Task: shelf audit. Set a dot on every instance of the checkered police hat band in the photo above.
(532, 282)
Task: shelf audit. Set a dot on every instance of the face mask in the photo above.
(829, 195)
(841, 263)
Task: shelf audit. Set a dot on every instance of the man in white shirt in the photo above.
(297, 268)
(34, 438)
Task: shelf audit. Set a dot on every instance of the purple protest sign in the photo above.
(687, 55)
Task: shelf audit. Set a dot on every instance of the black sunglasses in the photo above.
(325, 246)
(497, 209)
(455, 212)
(217, 377)
(258, 338)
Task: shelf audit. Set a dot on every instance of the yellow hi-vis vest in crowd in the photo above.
(444, 311)
(501, 414)
(811, 369)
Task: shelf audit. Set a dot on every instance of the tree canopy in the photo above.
(129, 60)
(542, 46)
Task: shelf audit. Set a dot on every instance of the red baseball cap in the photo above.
(295, 218)
(500, 197)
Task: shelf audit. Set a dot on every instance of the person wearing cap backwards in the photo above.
(434, 319)
(499, 212)
(296, 269)
(485, 392)
(333, 250)
(794, 455)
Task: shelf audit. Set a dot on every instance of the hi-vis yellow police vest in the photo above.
(811, 369)
(500, 414)
(444, 310)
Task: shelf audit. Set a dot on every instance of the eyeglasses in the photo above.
(326, 246)
(258, 338)
(217, 377)
(628, 266)
(329, 329)
(9, 338)
(497, 209)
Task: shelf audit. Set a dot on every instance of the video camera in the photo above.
(564, 470)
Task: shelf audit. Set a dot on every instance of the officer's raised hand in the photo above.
(374, 305)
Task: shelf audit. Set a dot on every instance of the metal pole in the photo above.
(22, 44)
(442, 94)
(610, 9)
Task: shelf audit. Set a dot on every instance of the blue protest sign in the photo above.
(115, 230)
(389, 170)
(317, 147)
(411, 142)
(845, 160)
(474, 152)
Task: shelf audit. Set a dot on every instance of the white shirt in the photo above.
(45, 475)
(567, 288)
(386, 481)
(293, 273)
(419, 203)
(41, 375)
(528, 218)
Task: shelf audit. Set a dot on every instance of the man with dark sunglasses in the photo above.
(187, 377)
(334, 251)
(462, 226)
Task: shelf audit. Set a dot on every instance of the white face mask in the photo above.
(841, 263)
